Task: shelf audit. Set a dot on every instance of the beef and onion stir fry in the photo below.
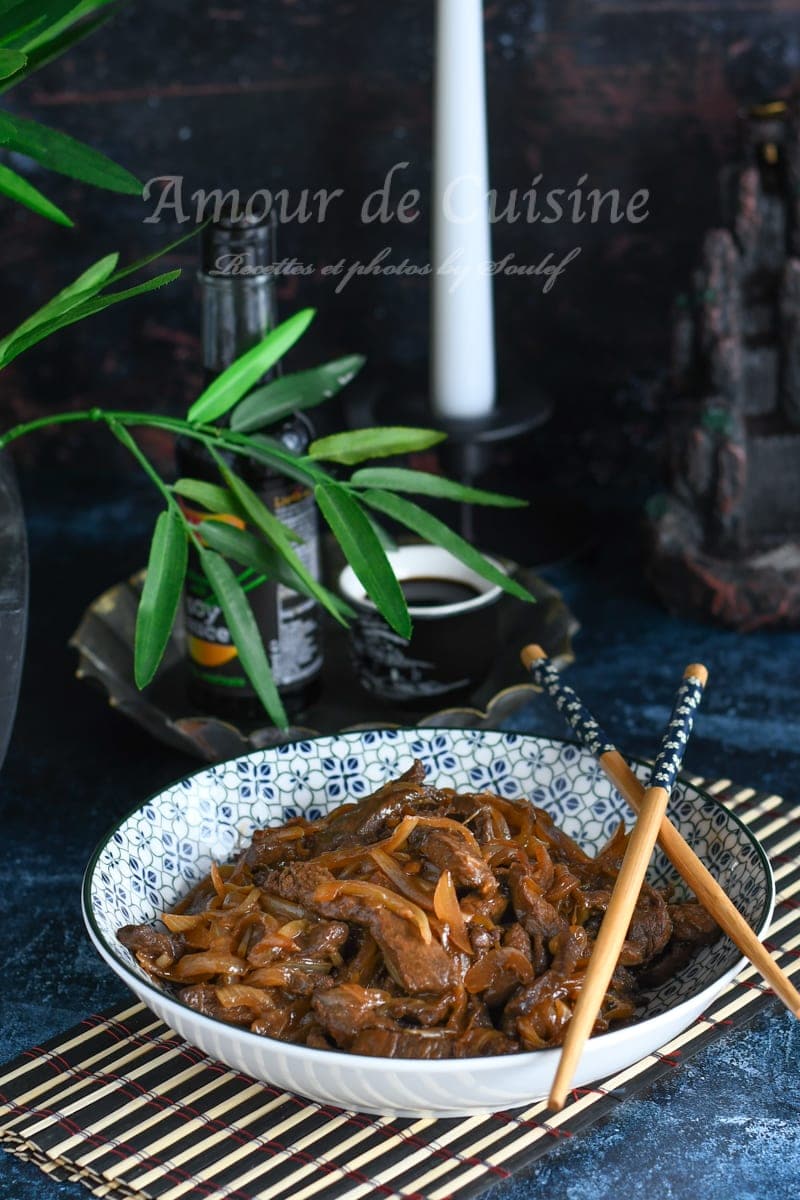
(418, 923)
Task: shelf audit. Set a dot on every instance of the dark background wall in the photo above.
(331, 93)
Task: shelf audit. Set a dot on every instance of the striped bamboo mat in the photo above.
(121, 1104)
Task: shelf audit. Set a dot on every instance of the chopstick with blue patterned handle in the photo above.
(705, 887)
(625, 893)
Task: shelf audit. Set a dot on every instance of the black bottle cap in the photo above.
(238, 244)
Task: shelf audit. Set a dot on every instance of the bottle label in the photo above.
(288, 622)
(295, 650)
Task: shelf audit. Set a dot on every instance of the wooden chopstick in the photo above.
(705, 887)
(625, 893)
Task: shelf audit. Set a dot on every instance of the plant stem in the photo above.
(122, 435)
(209, 435)
(94, 414)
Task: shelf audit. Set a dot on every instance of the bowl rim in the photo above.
(433, 612)
(138, 983)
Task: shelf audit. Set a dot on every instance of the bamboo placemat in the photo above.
(121, 1104)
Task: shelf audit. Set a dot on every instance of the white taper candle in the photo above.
(462, 338)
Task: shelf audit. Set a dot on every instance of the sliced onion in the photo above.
(250, 897)
(178, 922)
(207, 964)
(285, 910)
(280, 974)
(380, 897)
(293, 927)
(234, 995)
(445, 905)
(400, 835)
(218, 881)
(410, 887)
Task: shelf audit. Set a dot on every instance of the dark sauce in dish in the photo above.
(431, 592)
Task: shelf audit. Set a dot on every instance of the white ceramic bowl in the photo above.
(153, 856)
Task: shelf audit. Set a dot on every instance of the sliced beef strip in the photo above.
(271, 846)
(483, 939)
(473, 811)
(649, 931)
(345, 1011)
(570, 953)
(277, 1016)
(299, 979)
(422, 1010)
(372, 818)
(158, 952)
(417, 967)
(487, 1042)
(692, 926)
(691, 923)
(536, 915)
(322, 939)
(281, 1020)
(202, 997)
(498, 974)
(516, 937)
(449, 851)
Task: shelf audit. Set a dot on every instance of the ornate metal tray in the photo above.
(104, 641)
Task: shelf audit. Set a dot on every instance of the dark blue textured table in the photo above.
(726, 1123)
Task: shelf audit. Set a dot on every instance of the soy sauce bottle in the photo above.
(239, 308)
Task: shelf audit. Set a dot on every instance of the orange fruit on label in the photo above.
(210, 654)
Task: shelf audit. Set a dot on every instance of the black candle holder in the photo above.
(472, 444)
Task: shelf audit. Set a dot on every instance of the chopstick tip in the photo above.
(555, 1101)
(697, 671)
(531, 654)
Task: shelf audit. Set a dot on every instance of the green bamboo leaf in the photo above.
(381, 442)
(272, 452)
(433, 530)
(423, 483)
(17, 188)
(74, 13)
(162, 252)
(11, 61)
(244, 631)
(86, 285)
(210, 495)
(166, 570)
(17, 345)
(64, 154)
(241, 375)
(292, 393)
(245, 548)
(47, 49)
(383, 535)
(276, 533)
(362, 549)
(44, 47)
(254, 508)
(27, 19)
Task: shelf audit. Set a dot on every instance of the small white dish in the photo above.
(151, 858)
